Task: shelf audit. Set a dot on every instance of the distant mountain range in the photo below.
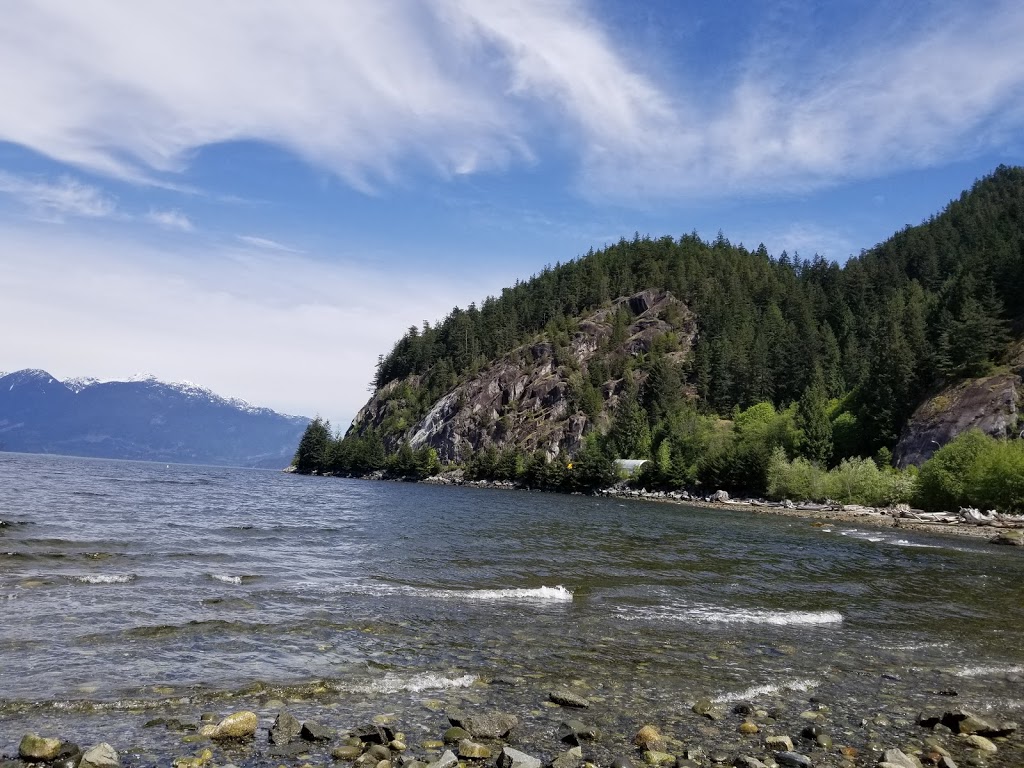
(143, 419)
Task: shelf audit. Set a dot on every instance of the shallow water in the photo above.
(132, 591)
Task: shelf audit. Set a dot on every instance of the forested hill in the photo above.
(934, 304)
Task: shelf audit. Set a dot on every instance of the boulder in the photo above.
(897, 758)
(313, 731)
(1009, 538)
(447, 760)
(235, 727)
(648, 737)
(513, 758)
(35, 748)
(455, 734)
(568, 699)
(781, 743)
(473, 751)
(793, 760)
(575, 731)
(101, 756)
(495, 725)
(373, 734)
(720, 496)
(285, 729)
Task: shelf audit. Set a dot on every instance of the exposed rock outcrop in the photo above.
(525, 398)
(989, 404)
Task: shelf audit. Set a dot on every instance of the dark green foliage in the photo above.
(311, 455)
(946, 476)
(776, 340)
(812, 419)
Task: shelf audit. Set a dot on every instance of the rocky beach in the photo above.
(190, 617)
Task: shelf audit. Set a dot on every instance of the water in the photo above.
(134, 591)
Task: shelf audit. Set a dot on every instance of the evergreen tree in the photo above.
(812, 419)
(311, 455)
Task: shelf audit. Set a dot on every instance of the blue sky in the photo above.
(260, 197)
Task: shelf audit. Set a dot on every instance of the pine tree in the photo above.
(311, 455)
(812, 420)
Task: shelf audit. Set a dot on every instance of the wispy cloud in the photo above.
(170, 219)
(303, 334)
(55, 199)
(372, 88)
(266, 244)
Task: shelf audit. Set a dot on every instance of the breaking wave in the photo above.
(705, 614)
(759, 691)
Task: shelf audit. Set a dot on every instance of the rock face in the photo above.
(989, 404)
(525, 398)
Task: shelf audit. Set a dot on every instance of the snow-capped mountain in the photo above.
(142, 418)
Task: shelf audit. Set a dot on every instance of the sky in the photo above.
(260, 196)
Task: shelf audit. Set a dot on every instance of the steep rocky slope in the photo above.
(529, 397)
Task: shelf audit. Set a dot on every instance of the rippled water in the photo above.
(131, 591)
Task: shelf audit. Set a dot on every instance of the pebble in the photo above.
(980, 742)
(38, 748)
(101, 756)
(513, 758)
(473, 751)
(793, 759)
(748, 727)
(780, 743)
(568, 699)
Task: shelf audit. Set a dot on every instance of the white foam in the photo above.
(989, 671)
(905, 543)
(758, 691)
(425, 681)
(513, 594)
(703, 614)
(226, 579)
(105, 578)
(540, 594)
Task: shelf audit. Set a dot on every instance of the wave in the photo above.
(512, 594)
(879, 538)
(759, 691)
(105, 578)
(709, 614)
(425, 681)
(236, 580)
(990, 670)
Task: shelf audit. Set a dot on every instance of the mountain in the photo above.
(142, 419)
(708, 357)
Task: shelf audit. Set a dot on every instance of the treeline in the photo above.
(763, 453)
(931, 304)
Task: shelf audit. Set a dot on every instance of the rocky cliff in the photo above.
(991, 404)
(530, 397)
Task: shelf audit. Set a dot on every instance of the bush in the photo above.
(944, 477)
(854, 481)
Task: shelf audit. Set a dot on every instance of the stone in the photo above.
(568, 699)
(1009, 538)
(378, 752)
(566, 760)
(824, 741)
(398, 745)
(286, 728)
(496, 725)
(291, 749)
(313, 731)
(575, 731)
(101, 756)
(649, 737)
(708, 709)
(36, 748)
(455, 734)
(748, 728)
(473, 751)
(780, 743)
(621, 761)
(346, 753)
(793, 759)
(513, 758)
(236, 727)
(373, 734)
(748, 762)
(720, 496)
(197, 761)
(447, 760)
(653, 757)
(947, 762)
(980, 742)
(744, 708)
(898, 758)
(964, 721)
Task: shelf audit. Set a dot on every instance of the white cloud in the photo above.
(56, 199)
(372, 88)
(266, 243)
(278, 330)
(172, 219)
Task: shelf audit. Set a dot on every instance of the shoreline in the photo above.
(994, 531)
